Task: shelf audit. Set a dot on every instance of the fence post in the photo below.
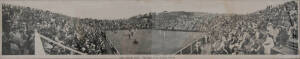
(39, 49)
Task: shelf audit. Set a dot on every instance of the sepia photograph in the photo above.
(150, 27)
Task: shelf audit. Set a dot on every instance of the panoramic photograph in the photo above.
(150, 27)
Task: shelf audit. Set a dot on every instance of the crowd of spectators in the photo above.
(19, 23)
(228, 33)
(256, 33)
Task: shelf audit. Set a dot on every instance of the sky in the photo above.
(115, 9)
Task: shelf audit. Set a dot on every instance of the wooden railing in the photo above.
(39, 50)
